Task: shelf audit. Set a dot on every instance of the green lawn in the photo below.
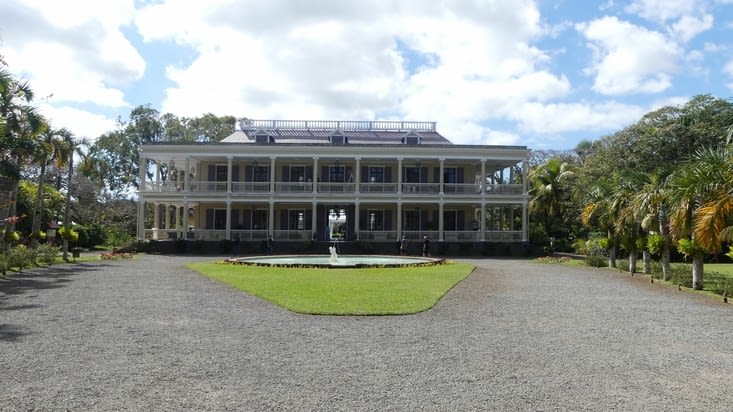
(373, 291)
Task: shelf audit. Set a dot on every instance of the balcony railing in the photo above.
(449, 189)
(364, 235)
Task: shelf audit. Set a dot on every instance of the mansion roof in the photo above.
(341, 132)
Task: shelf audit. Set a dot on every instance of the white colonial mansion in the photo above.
(372, 181)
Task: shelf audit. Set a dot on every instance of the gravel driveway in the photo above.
(149, 334)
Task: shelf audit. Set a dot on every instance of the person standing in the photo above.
(403, 246)
(425, 246)
(268, 247)
(236, 245)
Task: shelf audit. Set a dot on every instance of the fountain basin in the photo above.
(342, 261)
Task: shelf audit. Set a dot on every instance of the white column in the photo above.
(272, 174)
(399, 219)
(357, 182)
(186, 223)
(442, 176)
(314, 219)
(483, 176)
(315, 178)
(229, 183)
(483, 221)
(441, 235)
(525, 171)
(228, 226)
(157, 176)
(356, 220)
(399, 177)
(167, 223)
(525, 222)
(271, 219)
(187, 179)
(156, 216)
(141, 200)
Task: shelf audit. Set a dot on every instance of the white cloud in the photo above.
(629, 58)
(687, 27)
(664, 10)
(73, 49)
(80, 122)
(554, 118)
(329, 60)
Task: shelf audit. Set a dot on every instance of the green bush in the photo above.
(597, 246)
(596, 261)
(580, 247)
(47, 253)
(21, 256)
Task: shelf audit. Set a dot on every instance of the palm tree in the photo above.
(550, 193)
(701, 191)
(627, 224)
(71, 146)
(651, 201)
(21, 125)
(599, 211)
(49, 148)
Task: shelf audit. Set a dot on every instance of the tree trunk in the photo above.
(664, 231)
(647, 261)
(612, 257)
(38, 208)
(67, 208)
(632, 260)
(665, 262)
(697, 271)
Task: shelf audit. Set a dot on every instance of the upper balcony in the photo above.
(305, 188)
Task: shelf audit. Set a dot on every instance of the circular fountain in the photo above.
(333, 260)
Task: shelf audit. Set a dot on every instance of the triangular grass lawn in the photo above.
(371, 291)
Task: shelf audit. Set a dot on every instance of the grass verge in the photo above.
(372, 291)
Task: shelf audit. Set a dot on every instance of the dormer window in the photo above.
(338, 139)
(411, 138)
(262, 138)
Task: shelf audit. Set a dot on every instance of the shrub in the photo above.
(21, 256)
(597, 246)
(47, 253)
(580, 247)
(69, 234)
(596, 261)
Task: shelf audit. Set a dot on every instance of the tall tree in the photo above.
(550, 195)
(22, 125)
(700, 191)
(50, 148)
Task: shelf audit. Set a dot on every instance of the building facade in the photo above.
(371, 181)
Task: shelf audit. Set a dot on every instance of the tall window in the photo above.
(411, 220)
(220, 219)
(259, 219)
(375, 219)
(297, 173)
(296, 219)
(336, 174)
(450, 175)
(221, 176)
(376, 174)
(450, 220)
(412, 175)
(261, 173)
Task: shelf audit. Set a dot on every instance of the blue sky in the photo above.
(544, 74)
